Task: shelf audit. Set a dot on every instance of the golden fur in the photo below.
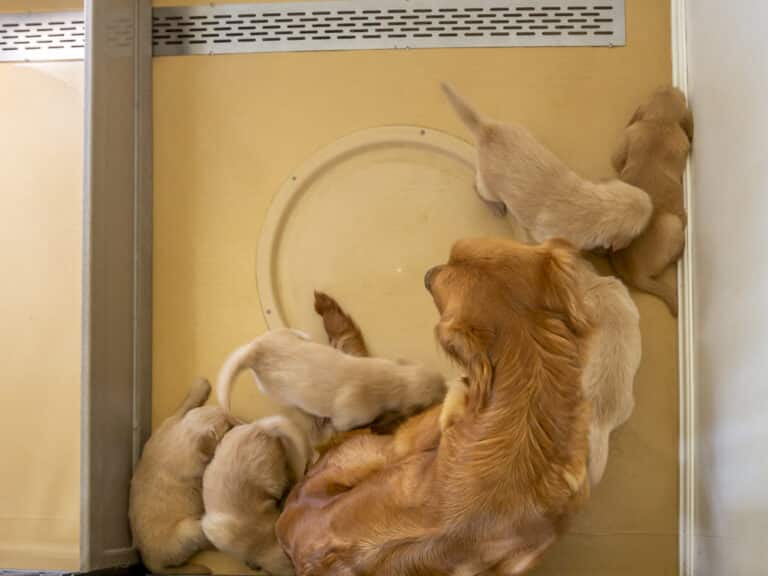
(165, 503)
(652, 155)
(496, 489)
(516, 172)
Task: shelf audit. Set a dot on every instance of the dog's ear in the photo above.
(687, 124)
(464, 345)
(562, 293)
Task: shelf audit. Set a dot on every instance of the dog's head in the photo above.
(667, 104)
(490, 285)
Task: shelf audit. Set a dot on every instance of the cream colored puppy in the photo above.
(253, 470)
(516, 172)
(165, 504)
(612, 359)
(325, 382)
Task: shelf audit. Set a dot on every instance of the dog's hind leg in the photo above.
(343, 332)
(196, 397)
(489, 198)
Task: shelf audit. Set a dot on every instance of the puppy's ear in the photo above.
(687, 124)
(562, 293)
(463, 344)
(207, 443)
(637, 116)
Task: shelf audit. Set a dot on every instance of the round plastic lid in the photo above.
(363, 220)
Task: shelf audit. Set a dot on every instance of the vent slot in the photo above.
(42, 36)
(385, 24)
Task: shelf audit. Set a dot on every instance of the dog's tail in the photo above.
(242, 358)
(471, 118)
(196, 397)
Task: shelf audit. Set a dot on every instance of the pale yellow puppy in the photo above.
(244, 486)
(515, 172)
(166, 504)
(351, 391)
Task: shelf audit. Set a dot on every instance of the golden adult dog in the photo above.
(652, 155)
(516, 172)
(493, 491)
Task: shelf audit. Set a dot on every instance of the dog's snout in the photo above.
(429, 276)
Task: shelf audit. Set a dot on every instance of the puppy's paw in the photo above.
(455, 403)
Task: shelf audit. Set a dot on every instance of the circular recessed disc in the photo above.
(363, 220)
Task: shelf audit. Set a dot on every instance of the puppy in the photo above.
(517, 173)
(165, 503)
(613, 353)
(323, 381)
(246, 482)
(652, 155)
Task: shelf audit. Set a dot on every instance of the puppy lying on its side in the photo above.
(652, 155)
(517, 173)
(165, 504)
(614, 349)
(245, 484)
(323, 381)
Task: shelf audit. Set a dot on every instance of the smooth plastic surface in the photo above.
(363, 220)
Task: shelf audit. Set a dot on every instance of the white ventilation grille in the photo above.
(365, 25)
(42, 36)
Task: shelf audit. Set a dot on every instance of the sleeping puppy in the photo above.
(246, 482)
(516, 172)
(351, 391)
(165, 504)
(613, 351)
(652, 155)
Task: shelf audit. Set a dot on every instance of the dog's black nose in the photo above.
(429, 275)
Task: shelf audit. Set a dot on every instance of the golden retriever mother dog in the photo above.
(493, 491)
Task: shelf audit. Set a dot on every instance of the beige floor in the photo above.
(229, 130)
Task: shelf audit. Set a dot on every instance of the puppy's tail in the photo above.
(242, 358)
(196, 397)
(471, 118)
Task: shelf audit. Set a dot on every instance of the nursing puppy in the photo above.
(246, 482)
(613, 356)
(516, 172)
(165, 504)
(351, 391)
(652, 155)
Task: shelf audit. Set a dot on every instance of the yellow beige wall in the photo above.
(228, 132)
(41, 160)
